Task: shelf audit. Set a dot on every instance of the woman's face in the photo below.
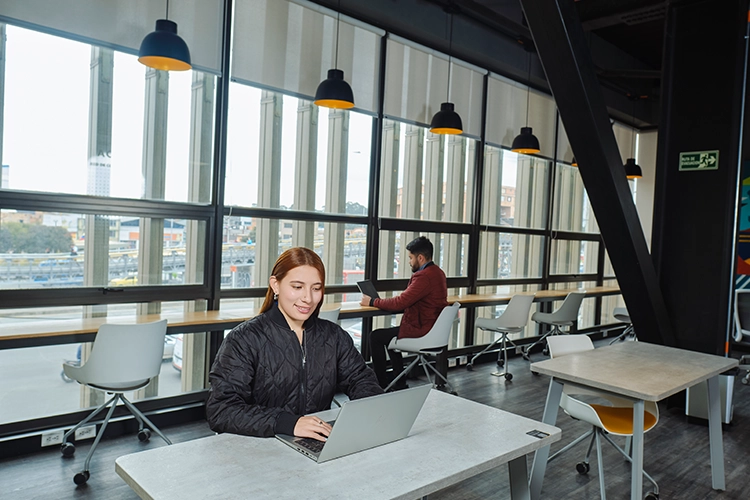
(300, 292)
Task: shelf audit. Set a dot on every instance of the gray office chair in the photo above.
(430, 344)
(614, 416)
(331, 315)
(124, 358)
(566, 315)
(742, 328)
(512, 320)
(621, 314)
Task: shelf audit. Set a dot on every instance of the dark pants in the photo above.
(379, 340)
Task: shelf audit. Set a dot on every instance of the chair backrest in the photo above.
(562, 345)
(516, 315)
(438, 335)
(568, 311)
(123, 354)
(741, 314)
(331, 315)
(621, 314)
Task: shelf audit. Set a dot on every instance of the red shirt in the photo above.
(422, 302)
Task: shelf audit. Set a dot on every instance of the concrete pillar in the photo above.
(269, 184)
(336, 170)
(305, 172)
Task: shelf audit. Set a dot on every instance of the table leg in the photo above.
(554, 393)
(519, 479)
(636, 479)
(714, 434)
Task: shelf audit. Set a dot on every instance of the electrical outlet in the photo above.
(86, 432)
(52, 438)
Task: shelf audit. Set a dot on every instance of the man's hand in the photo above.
(312, 427)
(365, 300)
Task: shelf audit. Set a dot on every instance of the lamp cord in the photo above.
(167, 15)
(450, 52)
(632, 129)
(528, 87)
(338, 23)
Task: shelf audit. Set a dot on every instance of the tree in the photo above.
(30, 238)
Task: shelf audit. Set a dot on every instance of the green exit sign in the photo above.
(699, 160)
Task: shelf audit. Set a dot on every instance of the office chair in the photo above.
(124, 358)
(430, 344)
(566, 315)
(331, 315)
(512, 320)
(615, 417)
(621, 314)
(742, 328)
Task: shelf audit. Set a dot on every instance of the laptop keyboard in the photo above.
(310, 444)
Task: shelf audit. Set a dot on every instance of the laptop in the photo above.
(367, 288)
(365, 423)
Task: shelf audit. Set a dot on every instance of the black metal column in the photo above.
(566, 58)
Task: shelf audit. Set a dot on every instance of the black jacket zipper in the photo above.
(303, 376)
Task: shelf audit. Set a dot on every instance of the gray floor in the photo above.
(676, 452)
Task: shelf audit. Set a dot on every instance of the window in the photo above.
(449, 251)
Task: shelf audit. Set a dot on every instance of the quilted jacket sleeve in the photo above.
(230, 406)
(355, 378)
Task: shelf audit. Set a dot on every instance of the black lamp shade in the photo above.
(525, 142)
(446, 121)
(163, 49)
(574, 162)
(632, 169)
(334, 92)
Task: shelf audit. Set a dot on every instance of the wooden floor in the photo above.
(676, 452)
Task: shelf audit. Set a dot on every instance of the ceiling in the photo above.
(633, 29)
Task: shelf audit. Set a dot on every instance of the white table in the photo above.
(452, 439)
(641, 372)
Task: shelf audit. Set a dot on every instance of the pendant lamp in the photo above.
(163, 48)
(334, 92)
(526, 142)
(447, 121)
(632, 169)
(574, 162)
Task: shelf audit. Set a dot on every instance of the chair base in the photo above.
(628, 333)
(503, 340)
(425, 363)
(527, 351)
(583, 467)
(144, 434)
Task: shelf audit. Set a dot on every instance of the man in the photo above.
(424, 298)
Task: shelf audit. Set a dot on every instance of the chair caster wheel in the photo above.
(582, 468)
(453, 393)
(144, 435)
(67, 449)
(81, 477)
(651, 496)
(545, 351)
(508, 377)
(500, 363)
(469, 367)
(744, 381)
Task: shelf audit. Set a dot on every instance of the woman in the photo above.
(286, 362)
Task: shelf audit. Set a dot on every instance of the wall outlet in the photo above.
(87, 432)
(52, 438)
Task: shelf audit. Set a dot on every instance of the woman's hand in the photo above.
(312, 427)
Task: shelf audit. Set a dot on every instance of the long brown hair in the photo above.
(290, 259)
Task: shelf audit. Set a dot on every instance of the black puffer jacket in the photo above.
(260, 384)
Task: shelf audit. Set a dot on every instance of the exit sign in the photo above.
(699, 160)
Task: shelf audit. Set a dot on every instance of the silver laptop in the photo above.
(367, 288)
(365, 423)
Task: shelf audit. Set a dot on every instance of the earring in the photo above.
(275, 296)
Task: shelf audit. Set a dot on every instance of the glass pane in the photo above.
(574, 257)
(111, 126)
(572, 210)
(50, 249)
(426, 176)
(496, 251)
(252, 245)
(449, 252)
(284, 152)
(514, 188)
